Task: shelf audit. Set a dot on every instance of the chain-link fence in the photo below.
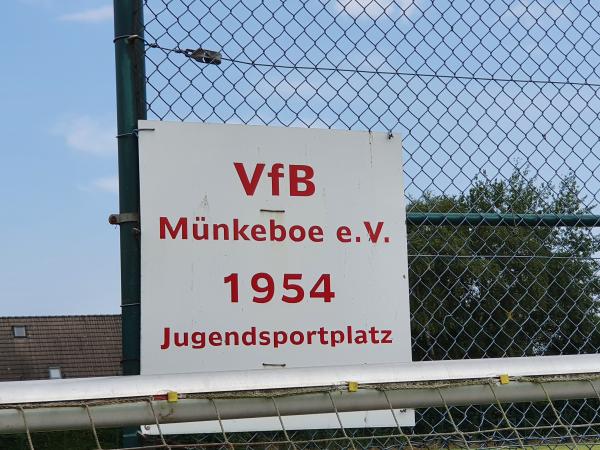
(518, 411)
(497, 105)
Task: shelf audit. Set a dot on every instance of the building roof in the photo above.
(81, 346)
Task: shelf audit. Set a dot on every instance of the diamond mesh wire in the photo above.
(497, 105)
(554, 424)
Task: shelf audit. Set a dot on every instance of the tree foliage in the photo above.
(495, 291)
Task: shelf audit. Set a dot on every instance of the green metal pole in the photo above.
(131, 106)
(492, 219)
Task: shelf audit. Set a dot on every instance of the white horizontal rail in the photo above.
(140, 412)
(141, 408)
(19, 392)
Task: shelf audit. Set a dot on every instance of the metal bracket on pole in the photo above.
(204, 56)
(117, 219)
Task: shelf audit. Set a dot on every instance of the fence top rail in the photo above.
(19, 392)
(503, 219)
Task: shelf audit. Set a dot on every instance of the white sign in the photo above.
(272, 247)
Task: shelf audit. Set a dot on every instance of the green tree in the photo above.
(496, 291)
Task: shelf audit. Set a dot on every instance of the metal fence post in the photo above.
(131, 106)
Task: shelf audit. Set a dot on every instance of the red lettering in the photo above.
(326, 294)
(249, 185)
(279, 338)
(258, 232)
(233, 279)
(233, 336)
(224, 228)
(296, 180)
(183, 342)
(361, 337)
(215, 339)
(322, 336)
(343, 234)
(239, 231)
(276, 338)
(337, 337)
(297, 337)
(263, 285)
(273, 229)
(275, 174)
(374, 235)
(297, 233)
(289, 285)
(265, 338)
(387, 337)
(166, 338)
(315, 233)
(182, 226)
(198, 339)
(249, 337)
(373, 334)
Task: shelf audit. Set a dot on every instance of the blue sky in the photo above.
(58, 160)
(453, 130)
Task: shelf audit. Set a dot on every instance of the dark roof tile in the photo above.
(82, 346)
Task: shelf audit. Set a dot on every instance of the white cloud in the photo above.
(375, 8)
(39, 3)
(106, 184)
(96, 15)
(88, 135)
